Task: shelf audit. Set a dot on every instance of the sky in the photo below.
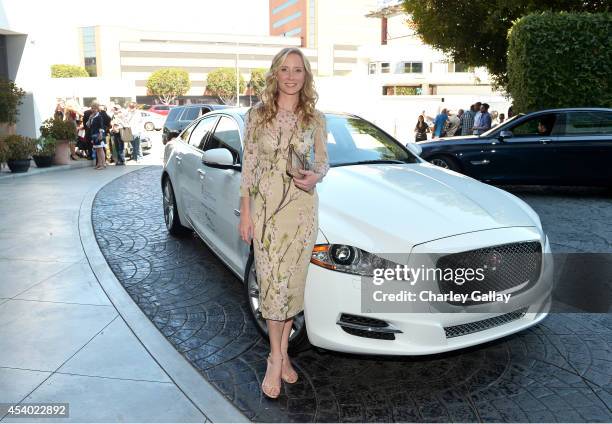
(211, 16)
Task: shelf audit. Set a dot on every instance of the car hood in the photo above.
(390, 208)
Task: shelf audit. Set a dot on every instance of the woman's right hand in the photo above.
(246, 228)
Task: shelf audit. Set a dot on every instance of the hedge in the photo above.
(68, 71)
(558, 60)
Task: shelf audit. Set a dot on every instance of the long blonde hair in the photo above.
(308, 95)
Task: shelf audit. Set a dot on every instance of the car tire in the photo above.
(446, 162)
(149, 126)
(171, 216)
(298, 340)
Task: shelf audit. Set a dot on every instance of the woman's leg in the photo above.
(289, 373)
(272, 380)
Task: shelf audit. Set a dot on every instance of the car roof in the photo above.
(241, 111)
(209, 105)
(572, 109)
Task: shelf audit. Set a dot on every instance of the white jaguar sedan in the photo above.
(379, 205)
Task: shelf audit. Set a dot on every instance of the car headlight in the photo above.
(348, 259)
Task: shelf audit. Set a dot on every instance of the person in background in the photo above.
(467, 121)
(484, 122)
(494, 118)
(107, 126)
(421, 129)
(59, 111)
(510, 111)
(440, 123)
(452, 125)
(98, 135)
(117, 124)
(502, 118)
(460, 113)
(93, 109)
(133, 120)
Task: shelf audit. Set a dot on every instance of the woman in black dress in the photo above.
(421, 129)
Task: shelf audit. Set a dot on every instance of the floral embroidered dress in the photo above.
(285, 217)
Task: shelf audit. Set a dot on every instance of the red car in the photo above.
(160, 109)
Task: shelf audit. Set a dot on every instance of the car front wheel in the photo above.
(298, 338)
(171, 216)
(445, 162)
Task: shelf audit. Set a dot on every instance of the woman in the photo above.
(277, 211)
(97, 125)
(421, 129)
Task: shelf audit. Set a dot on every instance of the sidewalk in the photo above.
(69, 333)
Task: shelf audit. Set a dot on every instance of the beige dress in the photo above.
(285, 217)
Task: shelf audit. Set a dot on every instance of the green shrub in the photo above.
(19, 147)
(68, 71)
(558, 60)
(58, 129)
(222, 82)
(3, 151)
(10, 99)
(45, 146)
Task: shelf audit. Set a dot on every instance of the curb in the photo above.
(35, 171)
(213, 405)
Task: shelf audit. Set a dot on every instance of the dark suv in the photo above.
(180, 116)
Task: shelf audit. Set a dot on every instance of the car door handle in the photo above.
(480, 162)
(202, 174)
(545, 140)
(236, 212)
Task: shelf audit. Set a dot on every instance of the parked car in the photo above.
(152, 121)
(377, 197)
(557, 147)
(160, 109)
(181, 116)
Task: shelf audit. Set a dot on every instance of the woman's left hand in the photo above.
(307, 182)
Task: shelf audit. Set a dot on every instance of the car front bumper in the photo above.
(329, 294)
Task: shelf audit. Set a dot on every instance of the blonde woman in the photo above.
(278, 212)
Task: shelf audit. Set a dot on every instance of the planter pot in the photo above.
(43, 161)
(19, 165)
(62, 153)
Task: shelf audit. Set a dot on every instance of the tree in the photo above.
(222, 82)
(258, 80)
(168, 84)
(475, 32)
(68, 71)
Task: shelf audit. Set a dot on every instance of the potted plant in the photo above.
(45, 151)
(10, 99)
(19, 151)
(64, 132)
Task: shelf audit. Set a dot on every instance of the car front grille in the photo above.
(485, 324)
(504, 267)
(370, 328)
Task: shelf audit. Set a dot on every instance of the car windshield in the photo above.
(501, 126)
(353, 141)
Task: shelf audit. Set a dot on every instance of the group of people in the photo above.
(473, 121)
(102, 136)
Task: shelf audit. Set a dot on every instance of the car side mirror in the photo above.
(505, 134)
(218, 158)
(414, 148)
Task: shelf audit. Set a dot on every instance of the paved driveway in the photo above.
(558, 371)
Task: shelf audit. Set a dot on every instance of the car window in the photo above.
(190, 114)
(174, 114)
(226, 135)
(205, 110)
(201, 131)
(541, 125)
(186, 133)
(589, 123)
(162, 107)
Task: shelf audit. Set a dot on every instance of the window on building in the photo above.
(461, 67)
(409, 68)
(371, 68)
(402, 90)
(385, 67)
(89, 50)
